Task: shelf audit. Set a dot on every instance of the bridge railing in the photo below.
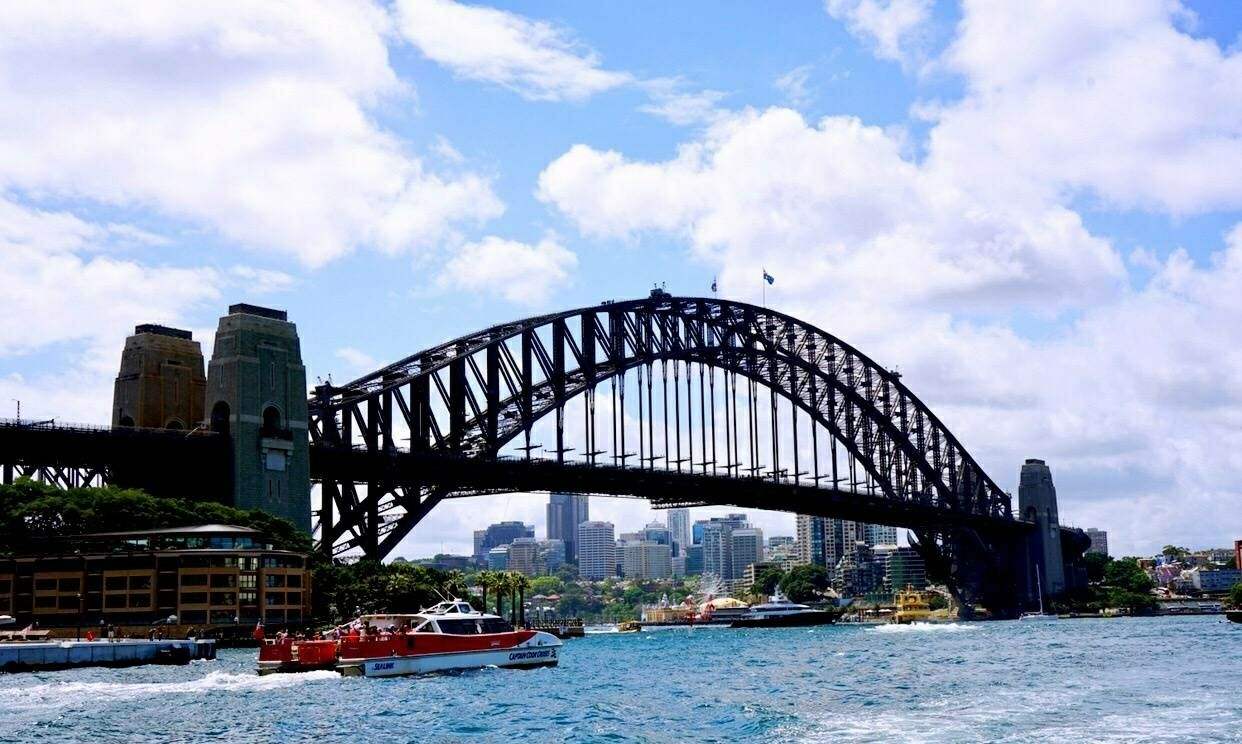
(70, 426)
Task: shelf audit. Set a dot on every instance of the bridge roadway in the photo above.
(465, 476)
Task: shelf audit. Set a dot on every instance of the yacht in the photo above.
(779, 612)
(1041, 615)
(451, 635)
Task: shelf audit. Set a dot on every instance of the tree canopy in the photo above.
(805, 583)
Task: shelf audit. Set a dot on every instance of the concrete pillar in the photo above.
(160, 384)
(1037, 502)
(256, 393)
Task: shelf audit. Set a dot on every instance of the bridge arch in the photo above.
(472, 396)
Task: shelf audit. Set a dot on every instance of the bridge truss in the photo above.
(678, 400)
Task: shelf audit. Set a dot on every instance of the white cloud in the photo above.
(891, 26)
(516, 271)
(672, 102)
(261, 281)
(244, 118)
(536, 59)
(793, 85)
(359, 361)
(1107, 98)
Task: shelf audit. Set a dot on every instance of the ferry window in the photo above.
(458, 627)
(496, 625)
(425, 627)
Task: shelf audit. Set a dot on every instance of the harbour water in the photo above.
(1122, 680)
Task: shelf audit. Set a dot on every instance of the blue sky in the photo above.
(1030, 208)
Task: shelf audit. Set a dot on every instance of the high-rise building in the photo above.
(1037, 502)
(879, 534)
(565, 512)
(524, 556)
(717, 544)
(500, 533)
(824, 541)
(903, 567)
(810, 542)
(747, 548)
(498, 558)
(1099, 541)
(678, 521)
(645, 559)
(479, 554)
(678, 566)
(694, 560)
(597, 547)
(658, 533)
(551, 555)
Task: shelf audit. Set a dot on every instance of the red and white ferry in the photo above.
(450, 635)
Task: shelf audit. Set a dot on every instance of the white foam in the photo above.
(924, 628)
(54, 694)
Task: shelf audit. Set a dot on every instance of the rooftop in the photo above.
(243, 308)
(201, 529)
(160, 330)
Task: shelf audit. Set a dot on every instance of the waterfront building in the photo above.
(500, 533)
(678, 522)
(1037, 502)
(754, 571)
(498, 558)
(444, 562)
(858, 573)
(524, 556)
(1212, 582)
(596, 550)
(645, 559)
(204, 575)
(565, 512)
(1099, 541)
(747, 549)
(902, 567)
(824, 541)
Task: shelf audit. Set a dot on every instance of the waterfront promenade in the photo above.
(1122, 680)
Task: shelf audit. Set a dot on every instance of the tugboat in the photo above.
(781, 613)
(451, 635)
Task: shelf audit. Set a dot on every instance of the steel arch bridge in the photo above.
(661, 398)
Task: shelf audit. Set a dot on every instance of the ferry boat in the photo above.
(451, 635)
(779, 612)
(913, 606)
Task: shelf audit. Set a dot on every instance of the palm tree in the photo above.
(455, 584)
(523, 583)
(499, 585)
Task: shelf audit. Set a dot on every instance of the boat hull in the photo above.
(1234, 616)
(792, 620)
(399, 666)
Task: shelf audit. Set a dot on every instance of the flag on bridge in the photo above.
(713, 285)
(768, 277)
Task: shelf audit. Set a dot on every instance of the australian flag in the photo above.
(768, 277)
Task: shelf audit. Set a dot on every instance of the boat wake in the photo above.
(74, 693)
(924, 628)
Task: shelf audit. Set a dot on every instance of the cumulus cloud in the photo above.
(891, 27)
(536, 59)
(671, 101)
(243, 118)
(794, 86)
(516, 271)
(969, 266)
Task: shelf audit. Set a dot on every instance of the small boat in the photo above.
(1234, 616)
(779, 612)
(629, 626)
(1041, 615)
(449, 636)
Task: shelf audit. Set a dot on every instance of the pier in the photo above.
(41, 656)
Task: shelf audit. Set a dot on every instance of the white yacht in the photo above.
(779, 612)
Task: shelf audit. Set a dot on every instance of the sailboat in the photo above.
(1041, 615)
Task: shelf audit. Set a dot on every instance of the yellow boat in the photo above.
(629, 626)
(913, 606)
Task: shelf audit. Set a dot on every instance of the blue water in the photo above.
(1132, 680)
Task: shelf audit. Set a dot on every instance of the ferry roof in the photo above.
(201, 529)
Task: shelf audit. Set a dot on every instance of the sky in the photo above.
(1032, 209)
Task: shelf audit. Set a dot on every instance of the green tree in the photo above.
(1126, 574)
(547, 585)
(767, 581)
(1096, 564)
(805, 583)
(1235, 595)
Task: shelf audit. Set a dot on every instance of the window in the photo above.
(140, 600)
(274, 598)
(249, 563)
(496, 625)
(45, 602)
(67, 602)
(293, 581)
(248, 581)
(115, 601)
(223, 598)
(193, 597)
(113, 583)
(193, 579)
(293, 598)
(6, 586)
(274, 580)
(70, 585)
(458, 627)
(45, 585)
(248, 597)
(139, 582)
(219, 581)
